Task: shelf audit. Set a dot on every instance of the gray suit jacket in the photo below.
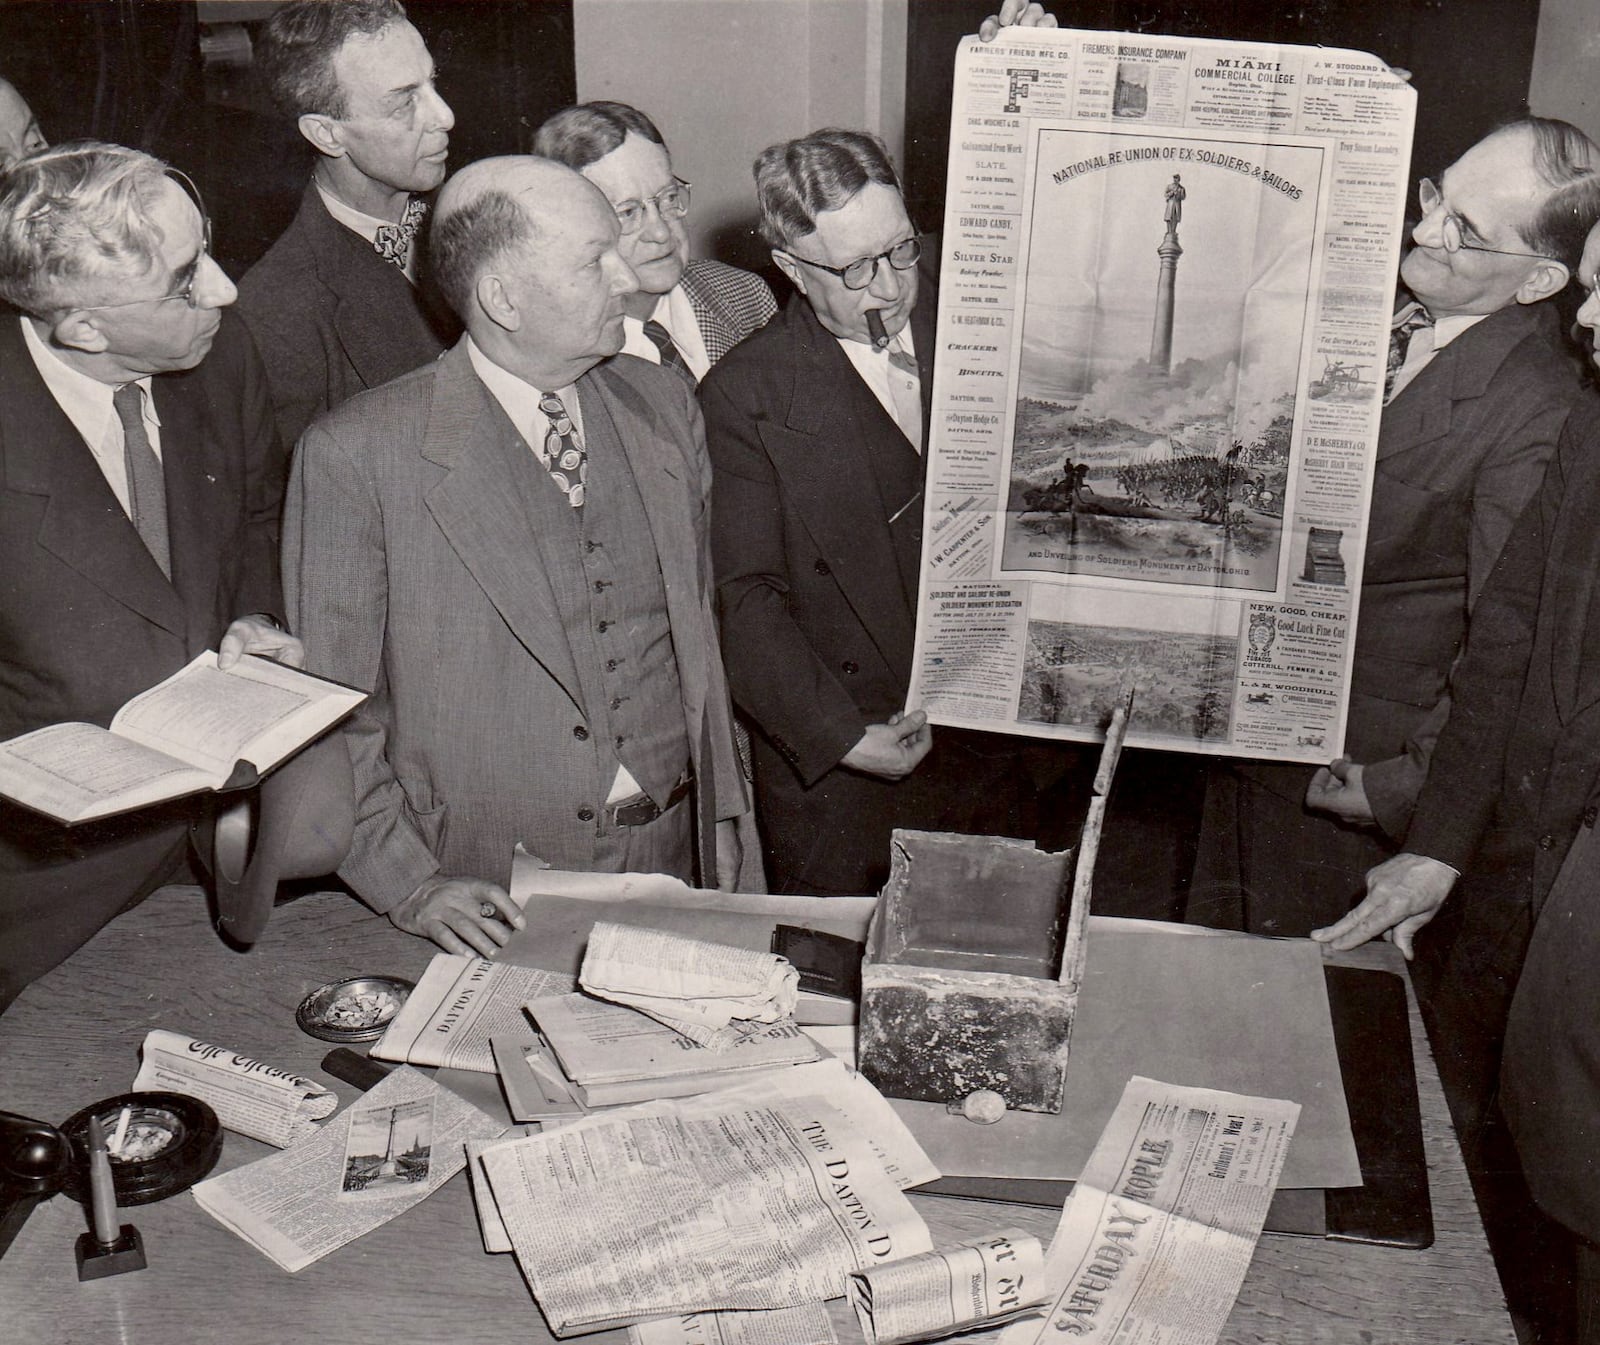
(412, 569)
(331, 318)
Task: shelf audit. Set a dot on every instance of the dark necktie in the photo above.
(563, 455)
(147, 485)
(393, 241)
(1399, 342)
(671, 356)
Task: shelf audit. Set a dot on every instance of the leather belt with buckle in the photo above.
(641, 810)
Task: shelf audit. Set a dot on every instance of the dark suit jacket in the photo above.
(1461, 450)
(1522, 748)
(87, 619)
(331, 317)
(729, 304)
(416, 566)
(817, 537)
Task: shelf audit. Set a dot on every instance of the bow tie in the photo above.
(393, 241)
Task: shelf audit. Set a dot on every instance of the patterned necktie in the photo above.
(147, 485)
(671, 356)
(563, 455)
(393, 241)
(1412, 320)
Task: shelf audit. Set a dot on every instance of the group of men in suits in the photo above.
(494, 525)
(508, 519)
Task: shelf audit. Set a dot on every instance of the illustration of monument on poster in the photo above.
(1162, 353)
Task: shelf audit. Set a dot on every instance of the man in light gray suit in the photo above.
(509, 548)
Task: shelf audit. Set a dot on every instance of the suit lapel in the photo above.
(196, 519)
(379, 319)
(822, 452)
(482, 511)
(1423, 411)
(83, 526)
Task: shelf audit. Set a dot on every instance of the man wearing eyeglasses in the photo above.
(336, 305)
(686, 314)
(816, 427)
(140, 484)
(1478, 387)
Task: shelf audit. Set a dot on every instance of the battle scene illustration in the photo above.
(1154, 423)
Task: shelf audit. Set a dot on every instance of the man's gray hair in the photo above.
(299, 41)
(1568, 162)
(799, 179)
(75, 225)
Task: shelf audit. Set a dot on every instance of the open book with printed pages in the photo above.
(200, 729)
(613, 1054)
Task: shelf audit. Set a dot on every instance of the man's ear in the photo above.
(1547, 278)
(79, 330)
(497, 303)
(791, 268)
(324, 134)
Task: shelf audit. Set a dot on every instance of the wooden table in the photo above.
(74, 1036)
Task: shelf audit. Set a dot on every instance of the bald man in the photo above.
(509, 548)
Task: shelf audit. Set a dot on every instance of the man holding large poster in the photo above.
(1478, 389)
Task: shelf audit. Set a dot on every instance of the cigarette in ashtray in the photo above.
(876, 329)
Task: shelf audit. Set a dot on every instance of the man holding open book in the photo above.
(140, 483)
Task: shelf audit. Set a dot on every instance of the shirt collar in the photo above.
(362, 223)
(518, 398)
(86, 401)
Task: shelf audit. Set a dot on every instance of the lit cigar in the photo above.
(876, 329)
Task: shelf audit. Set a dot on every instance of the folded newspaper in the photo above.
(613, 1054)
(1157, 1235)
(982, 1282)
(710, 992)
(764, 1196)
(289, 1205)
(249, 1097)
(809, 1325)
(458, 1005)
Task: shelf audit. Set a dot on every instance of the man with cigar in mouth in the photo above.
(817, 426)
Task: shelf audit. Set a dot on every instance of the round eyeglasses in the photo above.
(669, 203)
(861, 272)
(1454, 228)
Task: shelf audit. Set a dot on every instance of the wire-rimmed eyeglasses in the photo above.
(860, 273)
(669, 203)
(1454, 228)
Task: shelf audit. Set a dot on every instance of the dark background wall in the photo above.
(132, 71)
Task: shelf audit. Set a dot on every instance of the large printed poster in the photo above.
(1163, 324)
